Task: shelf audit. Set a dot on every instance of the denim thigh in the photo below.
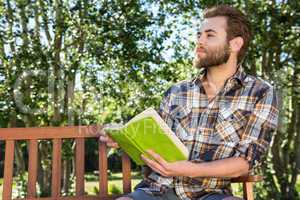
(139, 194)
(217, 196)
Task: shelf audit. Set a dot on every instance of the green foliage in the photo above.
(20, 185)
(113, 189)
(95, 190)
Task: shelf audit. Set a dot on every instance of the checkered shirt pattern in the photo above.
(239, 122)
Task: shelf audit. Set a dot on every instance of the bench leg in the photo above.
(248, 190)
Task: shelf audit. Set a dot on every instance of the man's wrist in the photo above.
(194, 170)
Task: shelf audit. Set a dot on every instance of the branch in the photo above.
(23, 16)
(36, 19)
(45, 21)
(10, 20)
(59, 31)
(296, 169)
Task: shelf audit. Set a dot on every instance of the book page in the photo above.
(113, 126)
(146, 113)
(116, 126)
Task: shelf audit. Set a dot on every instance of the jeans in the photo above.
(139, 194)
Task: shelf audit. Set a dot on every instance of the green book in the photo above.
(145, 131)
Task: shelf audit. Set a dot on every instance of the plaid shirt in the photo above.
(238, 122)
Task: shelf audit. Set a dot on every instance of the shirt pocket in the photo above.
(183, 116)
(230, 125)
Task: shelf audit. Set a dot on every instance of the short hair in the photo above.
(237, 25)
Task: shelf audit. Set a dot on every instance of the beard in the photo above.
(214, 57)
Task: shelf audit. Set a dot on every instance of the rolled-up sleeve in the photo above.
(260, 127)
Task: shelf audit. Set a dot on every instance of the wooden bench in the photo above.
(79, 133)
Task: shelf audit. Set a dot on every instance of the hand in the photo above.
(103, 137)
(109, 142)
(161, 166)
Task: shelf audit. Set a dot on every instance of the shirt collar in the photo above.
(239, 75)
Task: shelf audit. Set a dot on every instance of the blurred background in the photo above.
(81, 62)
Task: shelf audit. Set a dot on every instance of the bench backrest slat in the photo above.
(102, 168)
(126, 174)
(8, 169)
(79, 166)
(32, 168)
(56, 167)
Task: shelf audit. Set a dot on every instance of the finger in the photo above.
(103, 138)
(152, 156)
(153, 165)
(95, 129)
(159, 170)
(101, 132)
(112, 144)
(91, 129)
(157, 157)
(106, 139)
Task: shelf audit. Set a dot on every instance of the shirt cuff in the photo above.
(251, 151)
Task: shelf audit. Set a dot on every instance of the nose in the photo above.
(201, 40)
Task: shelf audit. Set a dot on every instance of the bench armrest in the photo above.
(249, 178)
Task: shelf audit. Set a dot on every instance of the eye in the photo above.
(198, 35)
(210, 35)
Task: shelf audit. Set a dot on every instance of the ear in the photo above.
(236, 44)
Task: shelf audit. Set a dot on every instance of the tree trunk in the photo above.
(44, 170)
(57, 46)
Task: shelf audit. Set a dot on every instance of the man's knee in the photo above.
(124, 198)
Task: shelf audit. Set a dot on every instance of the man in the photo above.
(225, 117)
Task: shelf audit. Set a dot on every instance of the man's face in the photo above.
(212, 47)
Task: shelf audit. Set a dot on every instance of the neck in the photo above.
(217, 75)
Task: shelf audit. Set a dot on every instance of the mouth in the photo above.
(200, 50)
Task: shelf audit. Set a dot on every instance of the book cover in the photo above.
(146, 131)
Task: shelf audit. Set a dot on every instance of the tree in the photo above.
(108, 45)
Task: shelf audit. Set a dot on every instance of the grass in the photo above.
(114, 183)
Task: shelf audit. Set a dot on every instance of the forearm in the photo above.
(229, 167)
